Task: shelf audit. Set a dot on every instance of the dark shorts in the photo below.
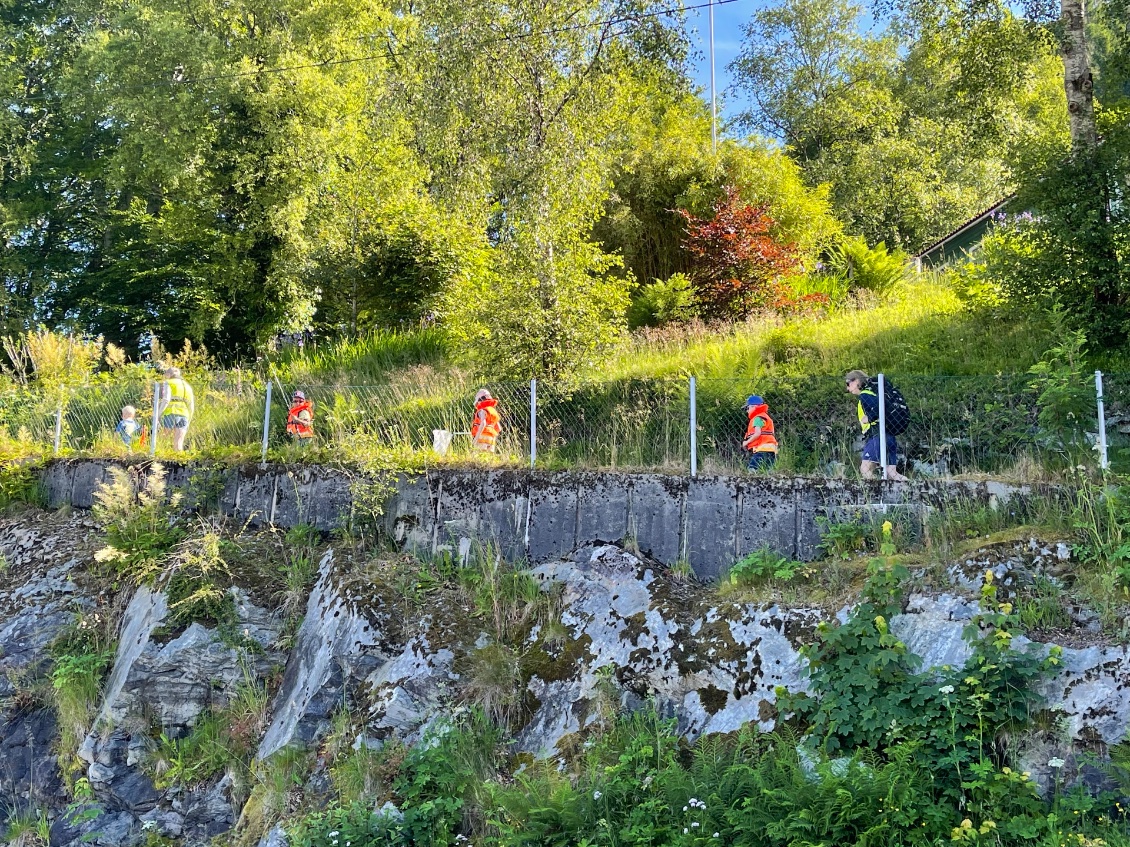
(174, 422)
(763, 460)
(871, 450)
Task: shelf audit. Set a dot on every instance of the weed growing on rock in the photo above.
(140, 521)
(222, 739)
(28, 828)
(197, 579)
(274, 793)
(82, 656)
(493, 682)
(20, 485)
(764, 565)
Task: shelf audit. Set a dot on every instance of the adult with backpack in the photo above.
(897, 418)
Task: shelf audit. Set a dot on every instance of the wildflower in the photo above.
(1006, 608)
(685, 830)
(716, 835)
(887, 527)
(694, 825)
(684, 808)
(988, 577)
(946, 689)
(967, 824)
(1056, 762)
(596, 795)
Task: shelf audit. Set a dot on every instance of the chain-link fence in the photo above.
(352, 415)
(228, 413)
(958, 425)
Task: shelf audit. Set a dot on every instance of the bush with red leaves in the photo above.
(738, 266)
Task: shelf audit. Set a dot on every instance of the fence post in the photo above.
(533, 423)
(266, 424)
(694, 431)
(883, 425)
(156, 418)
(59, 426)
(1104, 462)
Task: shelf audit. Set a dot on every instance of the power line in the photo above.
(174, 80)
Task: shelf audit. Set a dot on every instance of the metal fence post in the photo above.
(883, 424)
(266, 424)
(533, 423)
(1104, 462)
(59, 426)
(694, 431)
(156, 418)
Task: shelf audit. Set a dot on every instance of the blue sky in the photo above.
(729, 18)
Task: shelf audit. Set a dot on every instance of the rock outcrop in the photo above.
(624, 629)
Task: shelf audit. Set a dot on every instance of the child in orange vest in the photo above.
(487, 423)
(760, 439)
(300, 419)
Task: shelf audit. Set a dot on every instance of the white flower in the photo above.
(334, 834)
(684, 808)
(946, 689)
(685, 830)
(596, 795)
(695, 824)
(716, 835)
(1056, 762)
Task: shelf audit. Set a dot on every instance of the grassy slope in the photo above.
(922, 329)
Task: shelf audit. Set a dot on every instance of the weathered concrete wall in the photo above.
(709, 521)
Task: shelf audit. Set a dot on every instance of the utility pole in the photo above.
(713, 106)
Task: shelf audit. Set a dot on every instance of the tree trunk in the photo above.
(1077, 80)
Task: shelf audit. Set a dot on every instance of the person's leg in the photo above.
(178, 438)
(761, 461)
(870, 457)
(892, 459)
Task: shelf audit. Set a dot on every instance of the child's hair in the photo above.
(128, 412)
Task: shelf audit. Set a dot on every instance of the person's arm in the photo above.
(758, 424)
(163, 395)
(870, 403)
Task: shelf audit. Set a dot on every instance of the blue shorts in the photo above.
(871, 450)
(762, 460)
(174, 422)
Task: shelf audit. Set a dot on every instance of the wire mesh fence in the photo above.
(959, 425)
(228, 412)
(441, 417)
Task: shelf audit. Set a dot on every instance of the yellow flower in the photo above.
(967, 824)
(1006, 608)
(988, 577)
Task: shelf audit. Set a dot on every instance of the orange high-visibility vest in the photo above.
(766, 442)
(298, 426)
(486, 425)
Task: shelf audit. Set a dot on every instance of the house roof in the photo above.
(969, 224)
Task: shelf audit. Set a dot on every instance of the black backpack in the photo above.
(897, 412)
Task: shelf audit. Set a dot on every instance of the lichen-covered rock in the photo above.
(714, 666)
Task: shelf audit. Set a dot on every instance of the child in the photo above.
(760, 439)
(128, 429)
(300, 419)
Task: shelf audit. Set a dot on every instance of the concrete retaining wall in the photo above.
(709, 521)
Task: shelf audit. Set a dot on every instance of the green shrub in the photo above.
(663, 301)
(762, 565)
(869, 268)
